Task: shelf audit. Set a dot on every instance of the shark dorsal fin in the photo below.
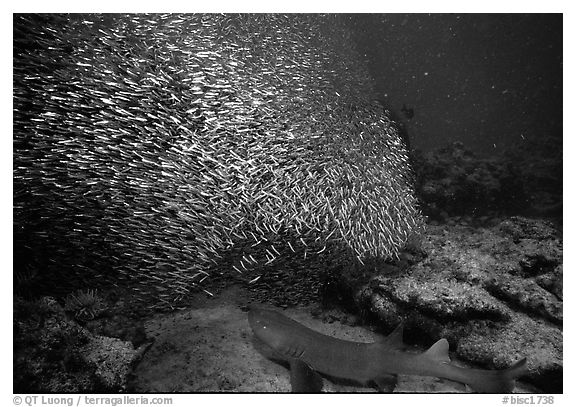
(394, 340)
(439, 351)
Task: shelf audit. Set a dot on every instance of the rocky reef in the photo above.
(55, 354)
(453, 181)
(495, 293)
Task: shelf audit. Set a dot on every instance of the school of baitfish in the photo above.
(145, 146)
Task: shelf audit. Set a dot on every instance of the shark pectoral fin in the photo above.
(438, 352)
(386, 383)
(303, 378)
(394, 340)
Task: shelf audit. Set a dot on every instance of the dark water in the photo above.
(487, 80)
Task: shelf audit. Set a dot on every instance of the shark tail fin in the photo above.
(498, 381)
(439, 352)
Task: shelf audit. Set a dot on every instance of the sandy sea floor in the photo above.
(211, 348)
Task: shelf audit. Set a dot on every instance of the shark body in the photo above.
(308, 351)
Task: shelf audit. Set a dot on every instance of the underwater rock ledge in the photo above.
(53, 354)
(476, 288)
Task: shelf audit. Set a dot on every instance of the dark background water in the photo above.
(488, 80)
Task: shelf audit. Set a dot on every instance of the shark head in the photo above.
(267, 326)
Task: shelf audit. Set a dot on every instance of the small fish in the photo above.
(254, 280)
